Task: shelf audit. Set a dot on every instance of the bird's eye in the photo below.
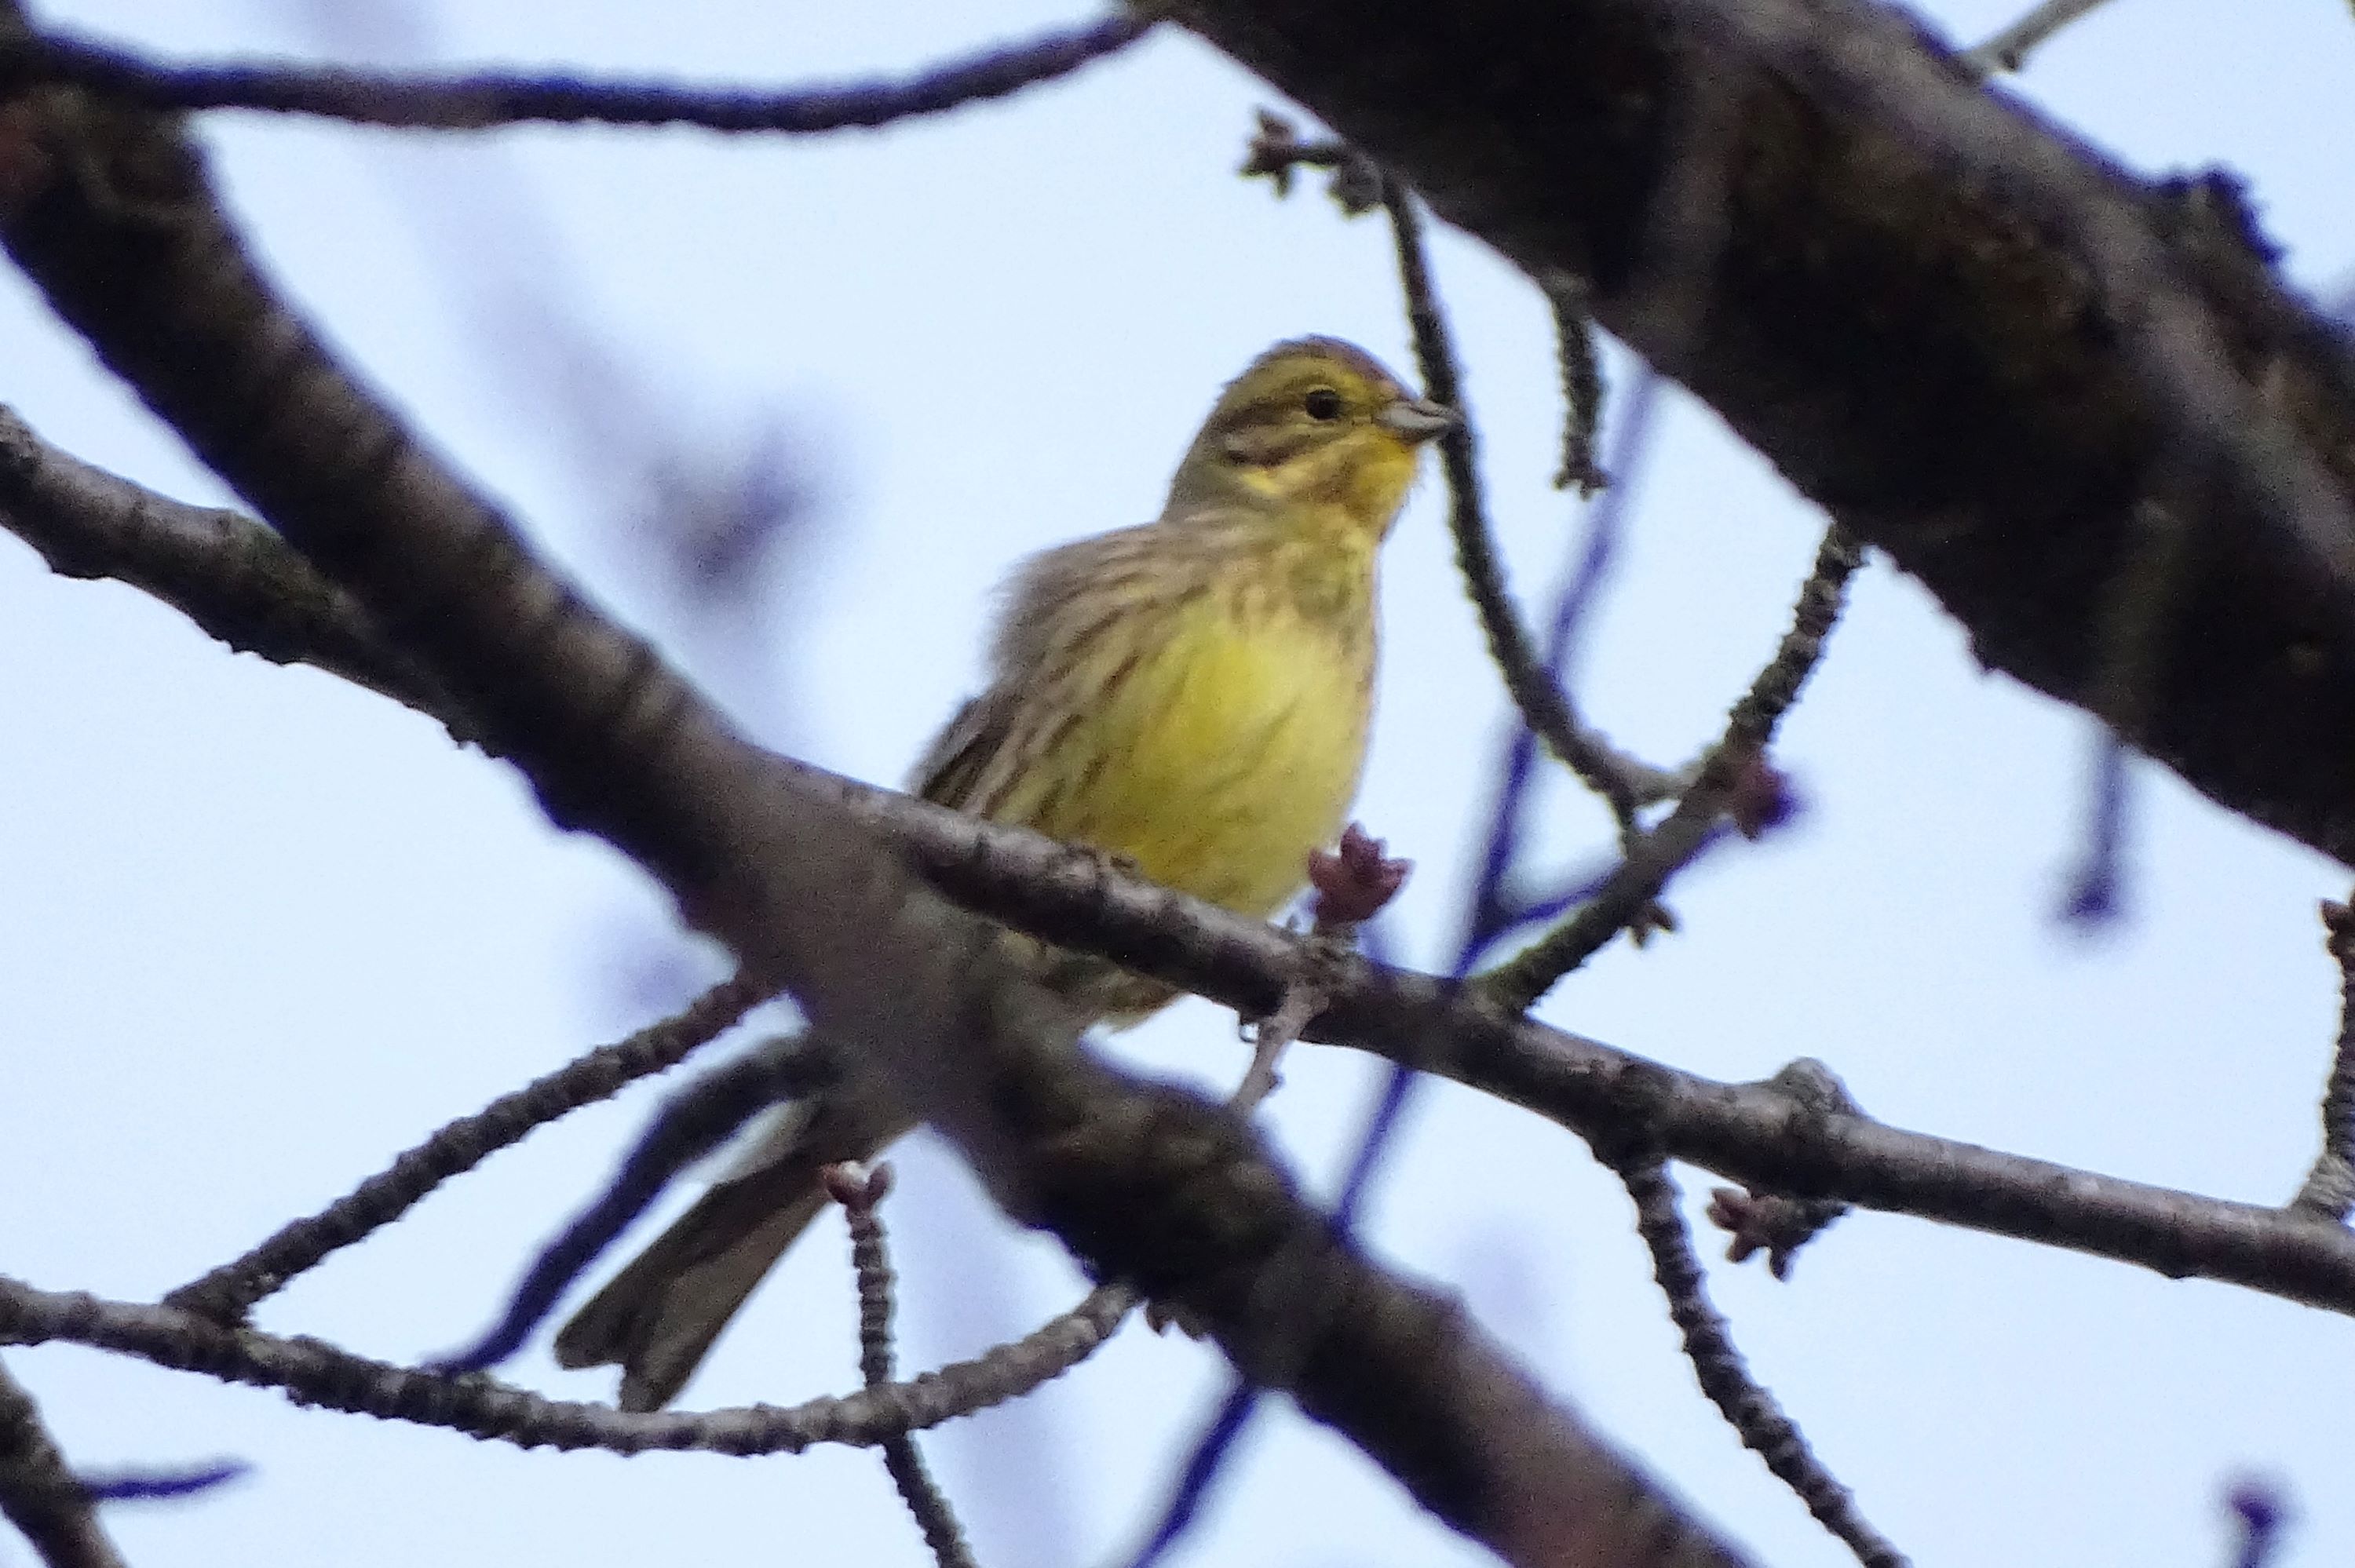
(1323, 403)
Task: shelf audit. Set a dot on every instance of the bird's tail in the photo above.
(658, 1317)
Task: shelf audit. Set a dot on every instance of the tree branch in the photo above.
(39, 1495)
(1760, 1134)
(240, 583)
(489, 99)
(861, 1193)
(227, 1293)
(2068, 333)
(1624, 783)
(2329, 1188)
(1655, 856)
(317, 1374)
(1762, 1425)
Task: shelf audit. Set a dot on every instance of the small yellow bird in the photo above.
(1191, 696)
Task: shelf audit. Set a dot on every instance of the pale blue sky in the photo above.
(258, 930)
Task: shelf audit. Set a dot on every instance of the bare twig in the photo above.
(2330, 1187)
(1728, 771)
(1759, 1134)
(695, 1120)
(2095, 890)
(861, 1193)
(39, 1495)
(1582, 386)
(1747, 1407)
(320, 1375)
(1624, 784)
(2007, 51)
(230, 1291)
(485, 100)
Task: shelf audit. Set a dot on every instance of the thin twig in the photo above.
(233, 1290)
(2329, 1188)
(1303, 1000)
(694, 1121)
(1486, 915)
(1747, 1407)
(39, 1495)
(1582, 387)
(491, 98)
(318, 1374)
(2007, 51)
(1657, 855)
(1625, 785)
(861, 1193)
(1353, 885)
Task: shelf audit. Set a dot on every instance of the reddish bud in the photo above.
(1353, 883)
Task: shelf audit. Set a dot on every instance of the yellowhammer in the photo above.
(1191, 696)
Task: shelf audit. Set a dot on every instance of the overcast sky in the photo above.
(259, 930)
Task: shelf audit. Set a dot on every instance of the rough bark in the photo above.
(1977, 343)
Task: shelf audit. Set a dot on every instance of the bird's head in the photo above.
(1314, 423)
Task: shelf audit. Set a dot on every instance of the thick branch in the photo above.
(231, 574)
(1753, 1134)
(1973, 340)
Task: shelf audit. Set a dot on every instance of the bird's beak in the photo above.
(1418, 419)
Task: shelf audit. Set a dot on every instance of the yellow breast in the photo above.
(1226, 751)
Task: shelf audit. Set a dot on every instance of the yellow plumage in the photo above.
(1191, 696)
